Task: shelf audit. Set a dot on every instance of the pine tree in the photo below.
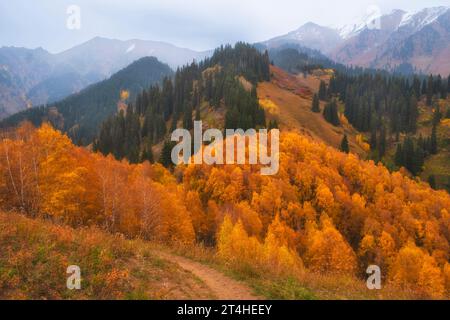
(424, 87)
(434, 144)
(373, 139)
(430, 90)
(197, 113)
(315, 104)
(413, 113)
(322, 90)
(418, 160)
(166, 154)
(273, 124)
(416, 87)
(399, 159)
(448, 84)
(432, 181)
(382, 142)
(330, 113)
(147, 153)
(344, 145)
(437, 115)
(188, 124)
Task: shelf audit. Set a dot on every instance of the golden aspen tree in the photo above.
(61, 179)
(328, 252)
(431, 280)
(414, 269)
(324, 198)
(250, 219)
(446, 272)
(198, 215)
(387, 249)
(236, 248)
(278, 253)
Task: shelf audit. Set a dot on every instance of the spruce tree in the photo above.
(437, 115)
(188, 124)
(322, 90)
(418, 160)
(147, 152)
(430, 90)
(434, 144)
(273, 124)
(432, 181)
(315, 104)
(344, 145)
(166, 154)
(382, 142)
(330, 113)
(399, 160)
(197, 113)
(424, 87)
(448, 84)
(373, 139)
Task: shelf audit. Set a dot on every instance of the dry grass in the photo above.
(35, 255)
(309, 286)
(292, 96)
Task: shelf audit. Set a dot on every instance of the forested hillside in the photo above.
(81, 114)
(215, 83)
(404, 118)
(400, 120)
(325, 213)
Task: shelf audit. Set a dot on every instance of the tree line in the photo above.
(214, 82)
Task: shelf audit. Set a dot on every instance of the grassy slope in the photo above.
(439, 164)
(310, 286)
(292, 96)
(35, 254)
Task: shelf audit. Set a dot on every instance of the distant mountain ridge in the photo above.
(418, 41)
(81, 114)
(310, 35)
(30, 77)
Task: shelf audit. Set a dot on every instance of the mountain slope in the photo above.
(288, 99)
(111, 267)
(34, 77)
(20, 70)
(309, 35)
(81, 114)
(421, 40)
(360, 42)
(400, 41)
(107, 56)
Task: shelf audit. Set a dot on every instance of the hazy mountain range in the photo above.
(80, 114)
(31, 77)
(401, 41)
(417, 41)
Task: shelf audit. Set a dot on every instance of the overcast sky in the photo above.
(197, 24)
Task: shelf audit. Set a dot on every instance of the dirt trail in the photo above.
(223, 287)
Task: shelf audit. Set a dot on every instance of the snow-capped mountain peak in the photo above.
(373, 19)
(418, 20)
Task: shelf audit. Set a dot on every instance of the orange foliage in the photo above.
(46, 175)
(331, 210)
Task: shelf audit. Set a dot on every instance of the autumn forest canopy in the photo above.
(326, 212)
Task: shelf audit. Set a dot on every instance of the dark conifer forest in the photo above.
(177, 102)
